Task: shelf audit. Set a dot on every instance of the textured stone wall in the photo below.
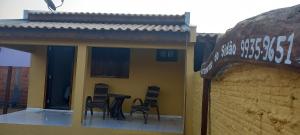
(255, 100)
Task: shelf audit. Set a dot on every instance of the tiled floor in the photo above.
(136, 122)
(63, 118)
(38, 117)
(11, 110)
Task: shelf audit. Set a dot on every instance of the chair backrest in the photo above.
(152, 96)
(100, 92)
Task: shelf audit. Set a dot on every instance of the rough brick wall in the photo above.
(255, 100)
(3, 73)
(22, 98)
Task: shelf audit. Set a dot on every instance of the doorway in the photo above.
(60, 61)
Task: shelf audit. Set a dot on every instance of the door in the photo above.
(59, 77)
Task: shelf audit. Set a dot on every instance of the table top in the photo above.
(119, 95)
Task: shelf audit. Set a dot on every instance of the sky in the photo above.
(16, 58)
(210, 16)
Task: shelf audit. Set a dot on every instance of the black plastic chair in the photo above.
(151, 101)
(99, 100)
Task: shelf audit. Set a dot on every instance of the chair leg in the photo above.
(104, 113)
(108, 109)
(85, 111)
(145, 117)
(91, 109)
(157, 110)
(131, 113)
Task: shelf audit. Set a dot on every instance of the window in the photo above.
(110, 62)
(166, 55)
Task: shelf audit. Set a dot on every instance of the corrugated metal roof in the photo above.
(208, 37)
(97, 27)
(94, 13)
(99, 21)
(92, 26)
(107, 18)
(202, 35)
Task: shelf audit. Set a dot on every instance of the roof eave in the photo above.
(37, 35)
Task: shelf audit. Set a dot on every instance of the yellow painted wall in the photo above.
(79, 84)
(256, 100)
(145, 71)
(189, 86)
(143, 67)
(196, 110)
(36, 88)
(194, 107)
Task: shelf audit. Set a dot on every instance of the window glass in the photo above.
(166, 55)
(110, 62)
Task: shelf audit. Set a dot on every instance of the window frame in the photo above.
(122, 73)
(167, 58)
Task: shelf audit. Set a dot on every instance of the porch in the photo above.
(127, 61)
(49, 117)
(144, 71)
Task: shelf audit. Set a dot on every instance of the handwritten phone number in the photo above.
(266, 47)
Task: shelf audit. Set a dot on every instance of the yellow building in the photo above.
(71, 52)
(221, 90)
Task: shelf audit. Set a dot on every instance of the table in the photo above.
(116, 106)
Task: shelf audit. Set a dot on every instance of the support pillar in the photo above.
(79, 82)
(189, 88)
